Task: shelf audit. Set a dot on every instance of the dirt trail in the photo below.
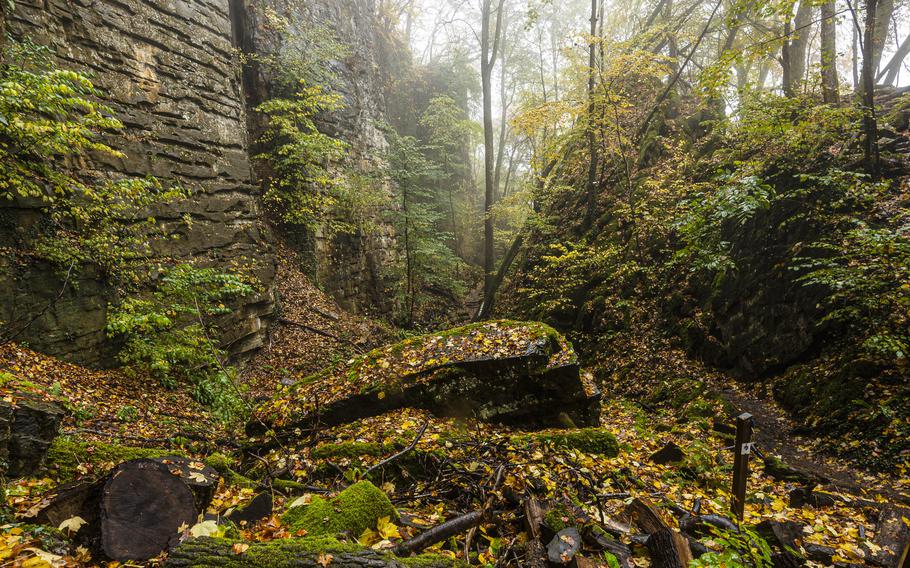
(773, 435)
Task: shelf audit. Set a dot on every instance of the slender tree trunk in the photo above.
(592, 139)
(409, 281)
(870, 125)
(489, 46)
(786, 62)
(855, 53)
(828, 54)
(796, 46)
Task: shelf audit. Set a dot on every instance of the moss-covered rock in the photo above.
(588, 440)
(66, 454)
(498, 371)
(354, 510)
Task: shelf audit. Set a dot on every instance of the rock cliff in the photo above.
(173, 78)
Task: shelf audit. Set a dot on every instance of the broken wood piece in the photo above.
(537, 554)
(892, 535)
(440, 533)
(645, 516)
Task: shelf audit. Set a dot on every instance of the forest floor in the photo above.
(453, 464)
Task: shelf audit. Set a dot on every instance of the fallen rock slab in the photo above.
(506, 372)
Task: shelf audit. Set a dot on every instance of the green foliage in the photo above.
(704, 218)
(304, 48)
(46, 115)
(168, 332)
(354, 510)
(302, 188)
(425, 263)
(867, 276)
(50, 119)
(743, 549)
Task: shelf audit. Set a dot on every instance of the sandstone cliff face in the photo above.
(171, 71)
(347, 266)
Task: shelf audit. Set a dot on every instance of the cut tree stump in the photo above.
(304, 553)
(200, 478)
(893, 536)
(644, 515)
(537, 554)
(135, 511)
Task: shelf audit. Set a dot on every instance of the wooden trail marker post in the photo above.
(742, 450)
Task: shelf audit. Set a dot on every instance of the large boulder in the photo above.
(507, 372)
(28, 425)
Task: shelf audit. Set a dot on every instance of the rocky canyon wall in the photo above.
(346, 265)
(173, 77)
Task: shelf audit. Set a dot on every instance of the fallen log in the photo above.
(440, 533)
(301, 552)
(134, 512)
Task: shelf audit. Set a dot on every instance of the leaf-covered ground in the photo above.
(451, 469)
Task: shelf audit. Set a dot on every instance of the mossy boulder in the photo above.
(352, 511)
(308, 551)
(522, 373)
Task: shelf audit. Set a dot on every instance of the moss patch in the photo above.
(354, 510)
(65, 455)
(587, 440)
(224, 465)
(348, 450)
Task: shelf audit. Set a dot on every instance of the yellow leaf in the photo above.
(325, 559)
(71, 525)
(387, 529)
(240, 547)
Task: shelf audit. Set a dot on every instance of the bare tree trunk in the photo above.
(884, 9)
(797, 47)
(592, 140)
(489, 46)
(828, 54)
(870, 125)
(889, 72)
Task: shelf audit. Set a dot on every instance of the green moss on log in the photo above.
(66, 454)
(354, 510)
(348, 450)
(307, 551)
(587, 440)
